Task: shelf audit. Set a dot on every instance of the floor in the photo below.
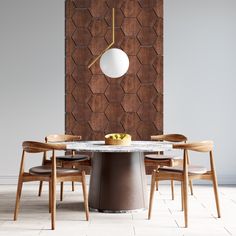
(167, 218)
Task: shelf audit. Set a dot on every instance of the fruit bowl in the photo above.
(118, 139)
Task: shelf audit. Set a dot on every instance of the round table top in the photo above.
(136, 146)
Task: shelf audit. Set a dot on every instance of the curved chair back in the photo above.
(203, 146)
(169, 138)
(36, 147)
(62, 138)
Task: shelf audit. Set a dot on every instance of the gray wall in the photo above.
(200, 75)
(31, 76)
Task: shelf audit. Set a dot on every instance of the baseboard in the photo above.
(222, 180)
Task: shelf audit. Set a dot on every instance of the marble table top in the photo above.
(136, 146)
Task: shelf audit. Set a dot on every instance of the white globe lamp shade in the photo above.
(114, 63)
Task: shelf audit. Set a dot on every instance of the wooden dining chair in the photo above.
(72, 158)
(187, 172)
(161, 159)
(52, 174)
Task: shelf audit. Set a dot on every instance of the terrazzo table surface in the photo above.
(135, 146)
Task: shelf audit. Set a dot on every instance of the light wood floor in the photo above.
(167, 219)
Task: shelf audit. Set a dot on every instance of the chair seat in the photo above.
(47, 170)
(192, 169)
(162, 157)
(79, 157)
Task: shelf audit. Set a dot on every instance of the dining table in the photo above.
(118, 180)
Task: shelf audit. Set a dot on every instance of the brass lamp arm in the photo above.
(113, 39)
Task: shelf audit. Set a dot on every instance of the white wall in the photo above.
(31, 76)
(200, 75)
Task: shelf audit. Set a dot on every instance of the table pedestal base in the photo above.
(118, 182)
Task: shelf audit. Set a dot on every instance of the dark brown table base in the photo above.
(118, 182)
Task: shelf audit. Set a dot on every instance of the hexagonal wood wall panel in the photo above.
(96, 104)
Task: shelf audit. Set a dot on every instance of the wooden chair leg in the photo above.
(152, 190)
(185, 200)
(53, 204)
(73, 186)
(182, 195)
(172, 189)
(85, 196)
(62, 191)
(40, 188)
(157, 184)
(215, 186)
(18, 196)
(50, 196)
(191, 186)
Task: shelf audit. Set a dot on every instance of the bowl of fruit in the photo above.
(118, 139)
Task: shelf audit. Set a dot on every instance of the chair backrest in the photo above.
(62, 138)
(203, 146)
(169, 138)
(37, 147)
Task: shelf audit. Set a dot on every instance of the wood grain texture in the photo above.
(96, 104)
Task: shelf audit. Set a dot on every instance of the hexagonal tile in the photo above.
(98, 27)
(98, 135)
(70, 102)
(147, 3)
(70, 121)
(130, 103)
(147, 17)
(114, 112)
(134, 65)
(81, 93)
(147, 93)
(147, 112)
(158, 8)
(81, 17)
(159, 45)
(70, 27)
(95, 68)
(119, 36)
(130, 26)
(158, 27)
(158, 64)
(146, 55)
(83, 129)
(98, 84)
(69, 46)
(114, 127)
(130, 121)
(147, 74)
(146, 129)
(119, 17)
(81, 74)
(97, 45)
(98, 8)
(114, 93)
(70, 65)
(82, 3)
(158, 122)
(115, 4)
(98, 103)
(80, 109)
(158, 103)
(159, 84)
(147, 36)
(81, 37)
(131, 8)
(81, 56)
(98, 121)
(130, 45)
(130, 83)
(70, 84)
